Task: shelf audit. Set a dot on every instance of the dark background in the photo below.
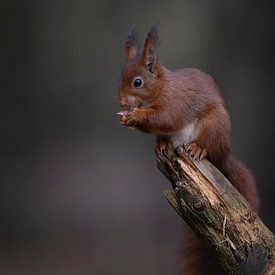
(80, 194)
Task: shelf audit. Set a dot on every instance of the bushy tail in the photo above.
(196, 257)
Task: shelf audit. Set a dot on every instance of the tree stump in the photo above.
(218, 214)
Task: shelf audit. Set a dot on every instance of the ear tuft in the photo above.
(153, 36)
(149, 56)
(131, 48)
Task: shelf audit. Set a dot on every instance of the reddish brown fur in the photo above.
(169, 101)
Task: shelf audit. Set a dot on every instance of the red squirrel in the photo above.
(183, 108)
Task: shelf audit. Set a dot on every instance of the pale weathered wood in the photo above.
(218, 213)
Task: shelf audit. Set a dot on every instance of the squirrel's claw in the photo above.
(196, 152)
(161, 146)
(203, 154)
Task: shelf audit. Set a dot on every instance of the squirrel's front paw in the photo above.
(129, 118)
(196, 152)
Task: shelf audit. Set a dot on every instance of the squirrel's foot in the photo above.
(162, 146)
(196, 152)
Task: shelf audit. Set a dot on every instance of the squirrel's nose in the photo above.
(123, 103)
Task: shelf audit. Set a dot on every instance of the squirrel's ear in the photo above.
(131, 48)
(149, 56)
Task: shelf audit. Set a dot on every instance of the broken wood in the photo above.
(219, 214)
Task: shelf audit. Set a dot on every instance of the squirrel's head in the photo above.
(141, 76)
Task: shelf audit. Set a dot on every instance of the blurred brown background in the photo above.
(80, 194)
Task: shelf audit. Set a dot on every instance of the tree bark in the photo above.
(218, 214)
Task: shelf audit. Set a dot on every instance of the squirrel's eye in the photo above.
(138, 82)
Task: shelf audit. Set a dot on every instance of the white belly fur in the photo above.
(186, 135)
